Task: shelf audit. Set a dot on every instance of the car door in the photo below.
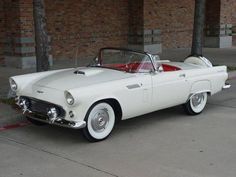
(169, 89)
(136, 98)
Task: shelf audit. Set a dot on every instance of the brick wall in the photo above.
(228, 15)
(19, 36)
(26, 43)
(234, 22)
(233, 15)
(135, 11)
(12, 14)
(220, 12)
(213, 12)
(2, 32)
(227, 11)
(174, 18)
(89, 25)
(26, 18)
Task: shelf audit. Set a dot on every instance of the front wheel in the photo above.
(100, 121)
(196, 104)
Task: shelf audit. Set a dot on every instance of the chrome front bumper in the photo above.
(46, 112)
(58, 122)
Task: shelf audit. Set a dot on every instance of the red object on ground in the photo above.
(12, 126)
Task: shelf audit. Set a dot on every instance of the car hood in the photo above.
(70, 79)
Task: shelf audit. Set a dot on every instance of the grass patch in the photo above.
(9, 101)
(231, 68)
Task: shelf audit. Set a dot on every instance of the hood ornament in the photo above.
(40, 91)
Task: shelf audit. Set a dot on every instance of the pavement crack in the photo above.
(59, 156)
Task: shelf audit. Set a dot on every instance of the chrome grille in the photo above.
(41, 107)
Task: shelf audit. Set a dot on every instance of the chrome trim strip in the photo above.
(226, 86)
(62, 122)
(133, 86)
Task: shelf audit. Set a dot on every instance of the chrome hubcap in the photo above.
(100, 120)
(197, 99)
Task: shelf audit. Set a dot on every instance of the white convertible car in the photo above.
(118, 85)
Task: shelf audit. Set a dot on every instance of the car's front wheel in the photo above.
(100, 121)
(196, 104)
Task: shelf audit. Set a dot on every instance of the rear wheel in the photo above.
(196, 104)
(100, 121)
(35, 122)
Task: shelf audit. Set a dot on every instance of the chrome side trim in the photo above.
(133, 86)
(226, 86)
(61, 122)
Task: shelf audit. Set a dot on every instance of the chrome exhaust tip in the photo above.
(226, 86)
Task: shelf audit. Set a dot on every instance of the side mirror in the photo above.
(160, 68)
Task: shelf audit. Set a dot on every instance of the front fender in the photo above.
(82, 108)
(85, 97)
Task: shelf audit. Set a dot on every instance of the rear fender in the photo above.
(201, 86)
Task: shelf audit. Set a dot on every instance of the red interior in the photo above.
(133, 67)
(167, 68)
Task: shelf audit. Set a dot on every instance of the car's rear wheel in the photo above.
(100, 121)
(35, 122)
(196, 104)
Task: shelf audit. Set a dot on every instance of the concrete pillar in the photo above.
(2, 32)
(142, 37)
(19, 41)
(218, 28)
(234, 35)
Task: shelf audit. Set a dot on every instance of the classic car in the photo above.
(119, 84)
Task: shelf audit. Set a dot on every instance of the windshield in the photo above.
(124, 60)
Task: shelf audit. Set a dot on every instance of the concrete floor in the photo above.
(165, 143)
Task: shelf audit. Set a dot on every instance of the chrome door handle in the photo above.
(182, 75)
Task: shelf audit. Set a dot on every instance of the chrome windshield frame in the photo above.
(150, 56)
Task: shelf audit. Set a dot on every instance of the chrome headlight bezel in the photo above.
(69, 98)
(13, 85)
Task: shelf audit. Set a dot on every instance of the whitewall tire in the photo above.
(196, 104)
(100, 121)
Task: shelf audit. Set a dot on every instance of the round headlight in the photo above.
(69, 98)
(13, 84)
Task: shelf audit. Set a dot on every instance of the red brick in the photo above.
(174, 18)
(88, 25)
(2, 32)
